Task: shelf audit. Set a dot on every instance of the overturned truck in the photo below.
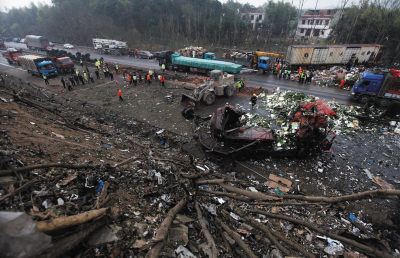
(236, 141)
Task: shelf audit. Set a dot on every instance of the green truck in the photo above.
(185, 64)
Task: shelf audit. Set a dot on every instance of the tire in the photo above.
(187, 113)
(384, 102)
(229, 91)
(209, 98)
(261, 71)
(363, 99)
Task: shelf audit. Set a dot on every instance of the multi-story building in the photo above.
(317, 23)
(256, 16)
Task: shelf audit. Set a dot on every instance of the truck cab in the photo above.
(367, 86)
(208, 56)
(264, 63)
(47, 68)
(63, 64)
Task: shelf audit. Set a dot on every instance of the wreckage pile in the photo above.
(188, 51)
(113, 188)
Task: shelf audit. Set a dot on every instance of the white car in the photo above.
(68, 46)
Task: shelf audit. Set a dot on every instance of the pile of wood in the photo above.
(188, 51)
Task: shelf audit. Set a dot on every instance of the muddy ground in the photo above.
(90, 125)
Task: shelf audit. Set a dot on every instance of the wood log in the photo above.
(233, 196)
(62, 246)
(255, 196)
(265, 230)
(64, 222)
(236, 237)
(207, 233)
(162, 232)
(50, 165)
(363, 248)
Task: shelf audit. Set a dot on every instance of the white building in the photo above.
(317, 23)
(256, 16)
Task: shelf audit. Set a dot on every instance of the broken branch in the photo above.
(162, 232)
(361, 247)
(236, 237)
(64, 222)
(18, 190)
(207, 234)
(233, 196)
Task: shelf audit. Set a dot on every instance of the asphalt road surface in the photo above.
(252, 80)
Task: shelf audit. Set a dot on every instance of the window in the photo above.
(260, 17)
(301, 30)
(326, 22)
(252, 17)
(365, 83)
(303, 21)
(317, 22)
(374, 84)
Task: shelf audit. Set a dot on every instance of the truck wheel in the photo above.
(188, 113)
(363, 99)
(229, 91)
(384, 102)
(209, 98)
(261, 71)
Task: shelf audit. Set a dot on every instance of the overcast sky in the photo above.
(308, 4)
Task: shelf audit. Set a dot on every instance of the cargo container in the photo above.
(324, 56)
(37, 65)
(37, 42)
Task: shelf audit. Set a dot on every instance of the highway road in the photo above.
(252, 80)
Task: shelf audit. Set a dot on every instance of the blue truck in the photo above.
(37, 65)
(381, 84)
(185, 64)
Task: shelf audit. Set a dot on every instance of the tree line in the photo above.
(209, 23)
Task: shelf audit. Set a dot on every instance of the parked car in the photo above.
(68, 46)
(145, 54)
(16, 40)
(51, 44)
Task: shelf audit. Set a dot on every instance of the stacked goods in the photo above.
(188, 51)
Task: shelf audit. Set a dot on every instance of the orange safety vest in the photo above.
(162, 79)
(129, 78)
(148, 77)
(119, 93)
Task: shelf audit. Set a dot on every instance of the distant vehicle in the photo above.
(157, 54)
(22, 41)
(108, 43)
(16, 40)
(63, 64)
(51, 44)
(37, 65)
(145, 54)
(320, 56)
(37, 42)
(384, 85)
(12, 55)
(68, 46)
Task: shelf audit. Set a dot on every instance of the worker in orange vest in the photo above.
(129, 79)
(120, 95)
(148, 79)
(162, 79)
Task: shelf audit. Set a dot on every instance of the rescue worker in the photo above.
(97, 74)
(91, 77)
(134, 79)
(308, 77)
(253, 101)
(240, 85)
(116, 68)
(76, 78)
(77, 72)
(45, 79)
(120, 95)
(80, 60)
(68, 83)
(148, 79)
(63, 81)
(85, 76)
(288, 75)
(162, 80)
(163, 68)
(71, 79)
(111, 76)
(140, 78)
(129, 79)
(80, 77)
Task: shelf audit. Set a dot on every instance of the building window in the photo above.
(326, 22)
(303, 21)
(252, 17)
(260, 17)
(316, 22)
(301, 30)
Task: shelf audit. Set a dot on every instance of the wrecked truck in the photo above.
(237, 141)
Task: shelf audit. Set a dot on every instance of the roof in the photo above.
(324, 12)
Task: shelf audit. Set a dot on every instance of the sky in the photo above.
(308, 4)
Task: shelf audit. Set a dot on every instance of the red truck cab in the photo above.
(63, 64)
(12, 56)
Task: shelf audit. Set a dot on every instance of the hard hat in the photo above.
(254, 95)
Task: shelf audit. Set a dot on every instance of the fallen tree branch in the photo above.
(162, 231)
(197, 175)
(255, 196)
(18, 190)
(50, 165)
(265, 230)
(69, 242)
(290, 203)
(233, 196)
(207, 234)
(218, 181)
(381, 193)
(236, 237)
(64, 222)
(368, 250)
